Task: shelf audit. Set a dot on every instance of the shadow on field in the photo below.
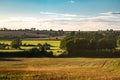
(94, 54)
(5, 59)
(80, 54)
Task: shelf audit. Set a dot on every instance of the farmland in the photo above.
(59, 39)
(54, 45)
(35, 42)
(59, 68)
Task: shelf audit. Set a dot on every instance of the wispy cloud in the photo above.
(58, 14)
(108, 20)
(47, 13)
(110, 13)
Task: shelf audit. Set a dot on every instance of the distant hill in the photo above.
(27, 34)
(43, 34)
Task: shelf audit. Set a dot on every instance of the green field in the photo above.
(59, 69)
(54, 43)
(35, 42)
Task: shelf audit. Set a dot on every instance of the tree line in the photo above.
(24, 33)
(77, 42)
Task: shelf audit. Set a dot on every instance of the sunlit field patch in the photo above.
(54, 45)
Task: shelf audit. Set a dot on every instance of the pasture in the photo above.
(59, 69)
(54, 45)
(35, 42)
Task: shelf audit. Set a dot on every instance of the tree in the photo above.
(81, 43)
(64, 41)
(34, 51)
(78, 42)
(101, 44)
(111, 43)
(41, 47)
(46, 46)
(118, 42)
(92, 44)
(72, 33)
(39, 44)
(106, 43)
(97, 35)
(76, 45)
(16, 43)
(70, 46)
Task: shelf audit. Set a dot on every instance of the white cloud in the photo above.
(58, 14)
(47, 13)
(108, 20)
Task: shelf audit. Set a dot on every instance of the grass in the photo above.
(11, 50)
(35, 42)
(60, 68)
(54, 43)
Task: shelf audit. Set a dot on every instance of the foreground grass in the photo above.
(59, 69)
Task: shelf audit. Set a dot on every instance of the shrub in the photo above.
(3, 46)
(46, 46)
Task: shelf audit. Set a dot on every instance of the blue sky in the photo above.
(57, 9)
(33, 7)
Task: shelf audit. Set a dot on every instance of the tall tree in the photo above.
(16, 43)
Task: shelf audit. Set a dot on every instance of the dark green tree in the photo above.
(105, 43)
(92, 44)
(64, 41)
(118, 42)
(16, 43)
(70, 46)
(81, 43)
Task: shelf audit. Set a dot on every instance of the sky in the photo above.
(70, 15)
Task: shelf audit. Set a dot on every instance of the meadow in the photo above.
(54, 45)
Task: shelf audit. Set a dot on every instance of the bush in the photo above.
(3, 46)
(28, 44)
(39, 44)
(34, 50)
(46, 44)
